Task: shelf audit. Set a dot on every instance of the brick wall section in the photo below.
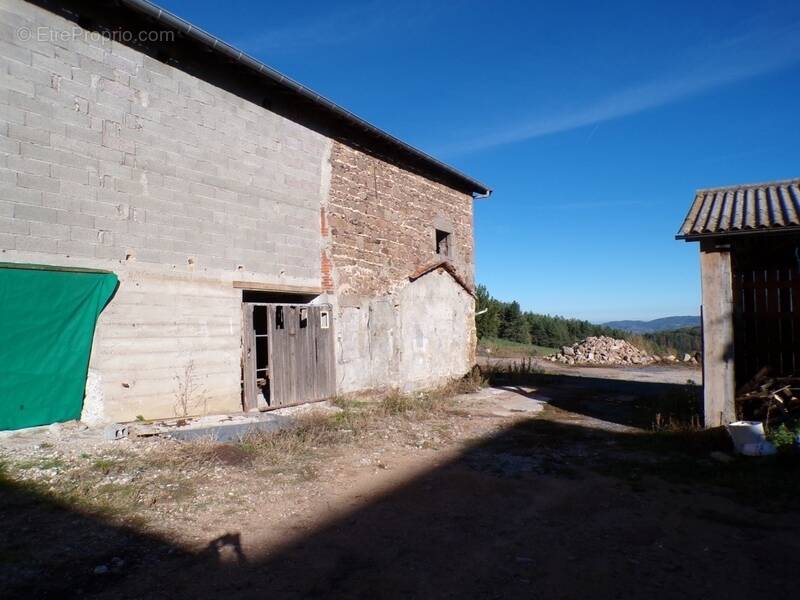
(326, 266)
(327, 272)
(382, 223)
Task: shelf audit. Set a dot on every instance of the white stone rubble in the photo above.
(602, 350)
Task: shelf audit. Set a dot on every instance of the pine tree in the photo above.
(514, 326)
(487, 325)
(536, 329)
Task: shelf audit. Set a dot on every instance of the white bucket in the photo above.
(749, 438)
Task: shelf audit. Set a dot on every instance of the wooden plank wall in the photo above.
(766, 286)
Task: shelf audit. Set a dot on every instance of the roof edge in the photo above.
(696, 237)
(747, 186)
(218, 45)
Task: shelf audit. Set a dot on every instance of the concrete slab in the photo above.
(503, 402)
(229, 432)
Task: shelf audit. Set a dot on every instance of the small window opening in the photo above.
(443, 242)
(303, 318)
(324, 319)
(278, 317)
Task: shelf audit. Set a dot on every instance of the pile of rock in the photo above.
(603, 350)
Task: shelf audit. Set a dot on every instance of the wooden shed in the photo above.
(750, 268)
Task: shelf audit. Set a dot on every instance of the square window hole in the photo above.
(443, 239)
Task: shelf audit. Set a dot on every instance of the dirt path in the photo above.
(677, 374)
(524, 492)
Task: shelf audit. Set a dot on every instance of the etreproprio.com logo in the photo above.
(49, 34)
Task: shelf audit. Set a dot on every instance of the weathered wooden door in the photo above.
(766, 296)
(288, 358)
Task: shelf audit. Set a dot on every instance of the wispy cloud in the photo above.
(726, 62)
(595, 204)
(341, 26)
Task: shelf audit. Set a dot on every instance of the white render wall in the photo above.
(436, 317)
(110, 159)
(419, 337)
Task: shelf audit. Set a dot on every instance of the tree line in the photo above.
(506, 320)
(687, 339)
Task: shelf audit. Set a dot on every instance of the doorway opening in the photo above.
(287, 350)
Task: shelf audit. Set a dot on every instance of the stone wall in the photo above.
(110, 159)
(381, 222)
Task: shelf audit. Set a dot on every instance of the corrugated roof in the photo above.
(742, 209)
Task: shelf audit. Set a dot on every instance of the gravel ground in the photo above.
(547, 491)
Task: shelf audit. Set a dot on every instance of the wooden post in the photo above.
(250, 400)
(718, 352)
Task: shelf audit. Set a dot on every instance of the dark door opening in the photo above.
(766, 298)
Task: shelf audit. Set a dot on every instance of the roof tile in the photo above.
(755, 207)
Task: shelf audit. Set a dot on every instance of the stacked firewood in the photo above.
(772, 400)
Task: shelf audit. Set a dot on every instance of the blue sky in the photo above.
(593, 122)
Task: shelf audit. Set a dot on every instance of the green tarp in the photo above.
(47, 320)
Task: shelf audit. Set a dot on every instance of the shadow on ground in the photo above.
(630, 403)
(543, 509)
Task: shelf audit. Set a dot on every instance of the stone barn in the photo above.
(750, 267)
(227, 238)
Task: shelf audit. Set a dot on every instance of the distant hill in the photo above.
(656, 325)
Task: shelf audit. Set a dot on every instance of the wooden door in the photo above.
(249, 388)
(300, 360)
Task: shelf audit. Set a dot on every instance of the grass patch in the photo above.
(122, 485)
(501, 348)
(310, 432)
(520, 372)
(292, 450)
(104, 464)
(419, 406)
(43, 464)
(107, 486)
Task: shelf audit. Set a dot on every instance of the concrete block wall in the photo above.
(110, 159)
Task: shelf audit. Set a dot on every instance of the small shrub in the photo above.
(190, 397)
(782, 438)
(104, 464)
(471, 382)
(396, 404)
(310, 431)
